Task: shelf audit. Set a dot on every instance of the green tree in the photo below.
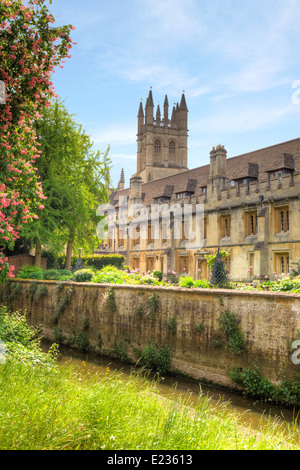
(31, 46)
(74, 179)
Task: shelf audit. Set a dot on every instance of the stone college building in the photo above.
(250, 203)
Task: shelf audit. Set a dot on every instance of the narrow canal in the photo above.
(252, 413)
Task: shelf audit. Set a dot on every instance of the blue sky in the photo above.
(237, 62)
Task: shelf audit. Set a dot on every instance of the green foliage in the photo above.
(119, 412)
(253, 383)
(11, 291)
(112, 275)
(111, 300)
(157, 359)
(22, 343)
(81, 342)
(73, 178)
(199, 327)
(83, 275)
(34, 390)
(211, 259)
(41, 292)
(172, 326)
(58, 336)
(33, 287)
(30, 272)
(96, 261)
(35, 272)
(99, 339)
(153, 303)
(51, 275)
(149, 279)
(120, 351)
(158, 274)
(235, 338)
(139, 310)
(202, 283)
(63, 304)
(295, 270)
(52, 259)
(286, 285)
(85, 323)
(186, 281)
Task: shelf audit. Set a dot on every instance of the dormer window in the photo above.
(183, 195)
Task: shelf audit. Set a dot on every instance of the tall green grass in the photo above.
(46, 406)
(59, 409)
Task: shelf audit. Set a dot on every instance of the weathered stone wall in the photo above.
(19, 261)
(125, 319)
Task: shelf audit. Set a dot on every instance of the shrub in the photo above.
(158, 274)
(51, 275)
(31, 272)
(157, 359)
(96, 261)
(83, 275)
(149, 279)
(253, 383)
(112, 275)
(229, 324)
(203, 284)
(186, 281)
(81, 342)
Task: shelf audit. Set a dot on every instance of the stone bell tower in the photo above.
(162, 142)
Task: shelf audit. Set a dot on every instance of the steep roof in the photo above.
(252, 164)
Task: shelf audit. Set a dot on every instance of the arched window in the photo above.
(157, 146)
(172, 147)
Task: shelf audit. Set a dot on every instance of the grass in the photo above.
(59, 409)
(46, 406)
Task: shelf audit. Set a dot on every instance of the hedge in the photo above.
(96, 261)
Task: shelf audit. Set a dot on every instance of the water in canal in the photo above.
(252, 413)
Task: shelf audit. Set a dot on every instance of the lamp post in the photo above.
(79, 264)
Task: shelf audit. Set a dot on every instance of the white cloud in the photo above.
(115, 135)
(121, 156)
(243, 119)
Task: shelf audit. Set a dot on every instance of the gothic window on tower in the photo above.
(172, 148)
(157, 149)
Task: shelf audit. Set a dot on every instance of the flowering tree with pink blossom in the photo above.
(30, 49)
